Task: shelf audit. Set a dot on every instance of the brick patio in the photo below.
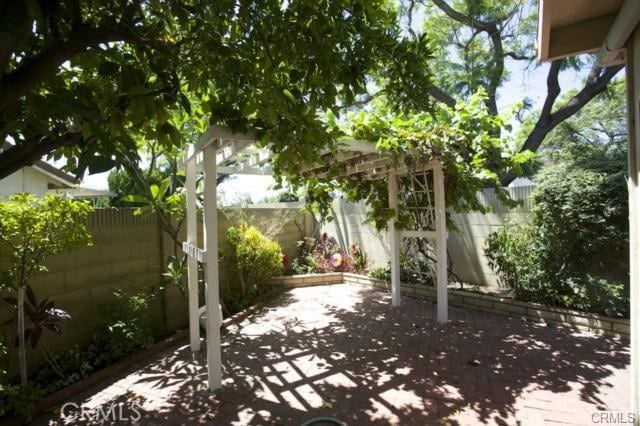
(342, 351)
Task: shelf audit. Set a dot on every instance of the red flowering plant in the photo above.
(329, 257)
(326, 255)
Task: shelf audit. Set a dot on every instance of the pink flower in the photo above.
(336, 260)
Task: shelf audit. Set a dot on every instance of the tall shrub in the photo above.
(253, 257)
(573, 252)
(32, 229)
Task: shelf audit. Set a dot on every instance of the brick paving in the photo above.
(343, 351)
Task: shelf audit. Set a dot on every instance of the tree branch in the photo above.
(462, 18)
(28, 152)
(518, 57)
(596, 83)
(553, 89)
(441, 96)
(33, 71)
(491, 28)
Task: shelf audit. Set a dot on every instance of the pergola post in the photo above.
(214, 362)
(394, 241)
(192, 240)
(441, 244)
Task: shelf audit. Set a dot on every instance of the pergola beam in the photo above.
(215, 134)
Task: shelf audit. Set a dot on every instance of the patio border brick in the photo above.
(585, 321)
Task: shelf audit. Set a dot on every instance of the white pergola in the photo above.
(222, 151)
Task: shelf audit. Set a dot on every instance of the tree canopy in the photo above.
(88, 79)
(469, 141)
(474, 41)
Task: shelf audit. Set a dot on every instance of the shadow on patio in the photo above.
(343, 351)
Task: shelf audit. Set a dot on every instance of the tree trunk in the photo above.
(22, 351)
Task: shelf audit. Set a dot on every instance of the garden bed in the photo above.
(60, 396)
(585, 321)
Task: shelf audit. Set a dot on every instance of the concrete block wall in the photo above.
(125, 253)
(349, 225)
(465, 245)
(128, 251)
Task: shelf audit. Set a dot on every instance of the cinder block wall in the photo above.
(128, 251)
(125, 253)
(349, 225)
(465, 245)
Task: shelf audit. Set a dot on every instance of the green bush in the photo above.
(122, 327)
(252, 257)
(574, 251)
(408, 271)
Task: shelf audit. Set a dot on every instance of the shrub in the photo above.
(32, 229)
(252, 256)
(573, 253)
(15, 399)
(122, 327)
(409, 268)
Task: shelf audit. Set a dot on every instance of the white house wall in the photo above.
(26, 179)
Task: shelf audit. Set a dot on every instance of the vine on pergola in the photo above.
(471, 143)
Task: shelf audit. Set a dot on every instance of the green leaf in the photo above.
(100, 164)
(131, 198)
(140, 91)
(289, 96)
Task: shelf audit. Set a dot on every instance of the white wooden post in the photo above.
(441, 244)
(633, 123)
(214, 360)
(192, 239)
(394, 242)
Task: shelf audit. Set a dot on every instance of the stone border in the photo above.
(306, 280)
(584, 321)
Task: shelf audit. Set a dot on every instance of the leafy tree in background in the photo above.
(602, 122)
(475, 40)
(121, 183)
(92, 80)
(33, 229)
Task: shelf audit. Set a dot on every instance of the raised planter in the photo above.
(501, 305)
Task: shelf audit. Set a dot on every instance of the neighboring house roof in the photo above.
(68, 184)
(53, 172)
